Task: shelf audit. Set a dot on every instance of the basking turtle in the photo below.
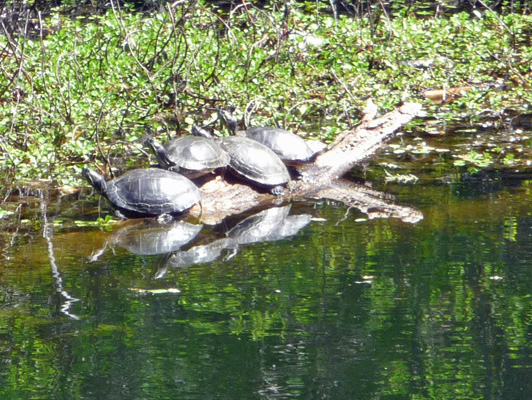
(256, 163)
(146, 192)
(290, 148)
(253, 161)
(192, 156)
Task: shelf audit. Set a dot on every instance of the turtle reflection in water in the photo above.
(202, 254)
(269, 225)
(149, 237)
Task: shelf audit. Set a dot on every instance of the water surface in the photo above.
(346, 308)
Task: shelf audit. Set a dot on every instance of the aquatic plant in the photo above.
(85, 89)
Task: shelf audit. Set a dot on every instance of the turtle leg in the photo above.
(162, 266)
(277, 190)
(119, 215)
(164, 219)
(232, 253)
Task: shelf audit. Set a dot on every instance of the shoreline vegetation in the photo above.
(85, 90)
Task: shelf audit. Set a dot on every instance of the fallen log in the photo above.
(320, 179)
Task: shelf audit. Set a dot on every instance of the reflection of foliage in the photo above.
(431, 305)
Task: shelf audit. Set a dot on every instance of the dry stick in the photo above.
(41, 38)
(346, 215)
(497, 18)
(251, 107)
(386, 16)
(160, 51)
(337, 78)
(13, 47)
(294, 107)
(67, 106)
(6, 151)
(179, 53)
(97, 133)
(16, 75)
(11, 243)
(149, 75)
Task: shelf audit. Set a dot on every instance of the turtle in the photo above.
(146, 192)
(290, 148)
(191, 156)
(256, 163)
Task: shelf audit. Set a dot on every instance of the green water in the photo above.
(348, 308)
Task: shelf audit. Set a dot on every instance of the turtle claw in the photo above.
(277, 191)
(164, 219)
(120, 216)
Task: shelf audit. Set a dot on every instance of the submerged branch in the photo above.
(371, 202)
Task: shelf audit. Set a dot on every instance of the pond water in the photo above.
(335, 306)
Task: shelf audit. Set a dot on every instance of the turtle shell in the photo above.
(196, 156)
(151, 191)
(291, 148)
(254, 161)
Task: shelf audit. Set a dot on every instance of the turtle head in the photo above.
(228, 120)
(152, 144)
(159, 151)
(201, 132)
(95, 179)
(148, 142)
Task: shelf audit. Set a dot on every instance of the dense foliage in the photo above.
(85, 90)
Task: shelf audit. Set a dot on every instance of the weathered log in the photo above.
(371, 202)
(357, 144)
(320, 179)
